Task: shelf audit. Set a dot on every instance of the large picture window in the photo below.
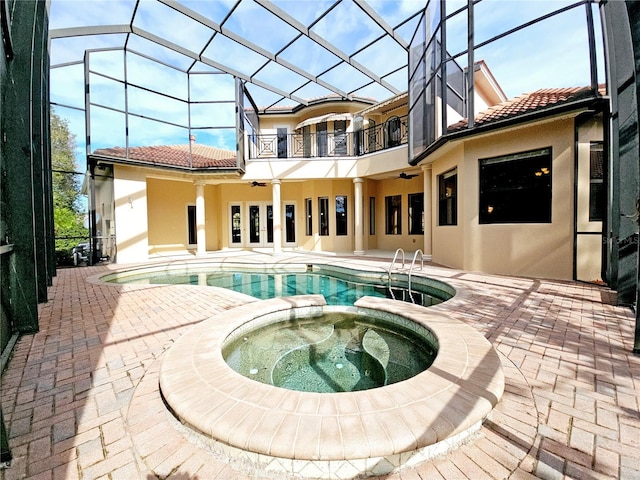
(448, 198)
(516, 188)
(341, 215)
(416, 214)
(323, 211)
(393, 215)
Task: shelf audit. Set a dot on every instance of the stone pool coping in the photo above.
(401, 423)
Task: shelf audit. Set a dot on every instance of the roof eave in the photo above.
(174, 168)
(596, 103)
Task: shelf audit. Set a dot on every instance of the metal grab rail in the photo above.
(393, 262)
(395, 257)
(415, 256)
(411, 268)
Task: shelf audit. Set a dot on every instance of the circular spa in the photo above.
(378, 427)
(335, 351)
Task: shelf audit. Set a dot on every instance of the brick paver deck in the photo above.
(81, 400)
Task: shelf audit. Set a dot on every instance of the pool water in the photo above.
(333, 352)
(337, 291)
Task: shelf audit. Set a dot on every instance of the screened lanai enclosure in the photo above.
(155, 72)
(139, 73)
(136, 73)
(144, 73)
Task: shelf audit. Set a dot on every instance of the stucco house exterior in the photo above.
(334, 176)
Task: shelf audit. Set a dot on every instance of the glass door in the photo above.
(236, 225)
(260, 224)
(289, 224)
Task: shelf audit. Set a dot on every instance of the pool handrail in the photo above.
(415, 256)
(393, 262)
(395, 257)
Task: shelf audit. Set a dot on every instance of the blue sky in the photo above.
(550, 54)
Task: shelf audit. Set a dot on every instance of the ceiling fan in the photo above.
(257, 184)
(407, 176)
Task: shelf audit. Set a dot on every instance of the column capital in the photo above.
(358, 180)
(275, 181)
(426, 167)
(199, 183)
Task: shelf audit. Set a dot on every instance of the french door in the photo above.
(259, 224)
(251, 224)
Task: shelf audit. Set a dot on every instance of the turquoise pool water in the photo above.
(333, 352)
(343, 289)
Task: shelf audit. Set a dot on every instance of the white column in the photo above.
(277, 221)
(201, 234)
(427, 246)
(358, 216)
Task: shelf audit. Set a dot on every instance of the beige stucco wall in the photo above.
(167, 215)
(130, 194)
(543, 250)
(402, 187)
(393, 159)
(159, 205)
(447, 240)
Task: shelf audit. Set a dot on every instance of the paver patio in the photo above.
(80, 398)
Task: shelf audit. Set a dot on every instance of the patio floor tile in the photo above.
(80, 397)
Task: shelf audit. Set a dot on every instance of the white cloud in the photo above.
(213, 86)
(74, 13)
(67, 86)
(71, 49)
(348, 28)
(167, 23)
(213, 115)
(306, 12)
(227, 52)
(550, 54)
(156, 76)
(309, 56)
(261, 27)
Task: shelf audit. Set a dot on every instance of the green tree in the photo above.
(68, 218)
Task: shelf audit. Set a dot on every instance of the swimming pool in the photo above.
(339, 285)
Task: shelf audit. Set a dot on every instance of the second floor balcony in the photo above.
(304, 144)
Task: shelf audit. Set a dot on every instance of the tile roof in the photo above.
(202, 156)
(526, 103)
